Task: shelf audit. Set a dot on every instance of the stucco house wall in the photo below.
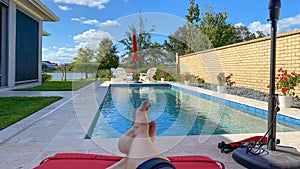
(21, 41)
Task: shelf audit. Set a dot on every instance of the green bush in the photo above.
(159, 74)
(104, 73)
(199, 80)
(46, 77)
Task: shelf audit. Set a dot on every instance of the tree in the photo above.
(64, 68)
(193, 16)
(83, 61)
(175, 45)
(216, 28)
(107, 55)
(260, 34)
(156, 55)
(143, 43)
(191, 39)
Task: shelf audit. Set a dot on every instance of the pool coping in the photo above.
(65, 128)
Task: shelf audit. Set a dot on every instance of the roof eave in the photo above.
(38, 9)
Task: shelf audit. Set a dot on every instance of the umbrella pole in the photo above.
(271, 105)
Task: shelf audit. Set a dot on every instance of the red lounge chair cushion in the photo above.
(93, 161)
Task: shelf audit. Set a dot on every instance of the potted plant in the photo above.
(224, 80)
(187, 77)
(162, 76)
(198, 79)
(136, 77)
(285, 84)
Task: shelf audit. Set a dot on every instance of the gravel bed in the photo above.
(243, 92)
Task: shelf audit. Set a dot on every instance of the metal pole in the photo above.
(271, 111)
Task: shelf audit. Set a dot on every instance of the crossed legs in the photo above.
(137, 142)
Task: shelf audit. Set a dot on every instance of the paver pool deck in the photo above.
(62, 126)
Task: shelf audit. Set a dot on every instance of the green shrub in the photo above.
(199, 80)
(46, 77)
(161, 73)
(104, 73)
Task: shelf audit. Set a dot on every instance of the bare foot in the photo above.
(141, 128)
(152, 130)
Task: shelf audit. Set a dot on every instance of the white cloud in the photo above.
(64, 8)
(95, 22)
(257, 26)
(91, 38)
(90, 3)
(239, 24)
(91, 22)
(289, 23)
(59, 55)
(75, 19)
(110, 23)
(284, 25)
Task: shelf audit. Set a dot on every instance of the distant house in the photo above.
(48, 66)
(21, 41)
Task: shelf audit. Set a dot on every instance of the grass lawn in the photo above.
(60, 85)
(14, 109)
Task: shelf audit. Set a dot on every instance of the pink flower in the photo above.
(285, 83)
(284, 78)
(293, 73)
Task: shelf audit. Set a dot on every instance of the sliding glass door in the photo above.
(27, 48)
(3, 44)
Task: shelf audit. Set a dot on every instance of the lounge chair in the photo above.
(149, 76)
(93, 161)
(114, 71)
(121, 74)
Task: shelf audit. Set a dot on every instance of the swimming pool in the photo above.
(179, 112)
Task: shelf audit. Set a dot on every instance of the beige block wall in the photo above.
(248, 61)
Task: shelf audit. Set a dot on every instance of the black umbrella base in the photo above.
(283, 157)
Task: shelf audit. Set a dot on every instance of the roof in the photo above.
(37, 9)
(45, 33)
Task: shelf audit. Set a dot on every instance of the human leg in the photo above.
(126, 139)
(137, 142)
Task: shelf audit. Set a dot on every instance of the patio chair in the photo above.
(149, 76)
(93, 161)
(114, 71)
(121, 74)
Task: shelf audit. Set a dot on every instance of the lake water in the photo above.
(71, 76)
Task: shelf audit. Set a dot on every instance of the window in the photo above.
(3, 45)
(27, 48)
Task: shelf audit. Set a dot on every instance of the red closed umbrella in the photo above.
(135, 56)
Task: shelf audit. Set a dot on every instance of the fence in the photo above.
(248, 61)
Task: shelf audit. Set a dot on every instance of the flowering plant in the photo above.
(222, 79)
(136, 76)
(286, 83)
(187, 76)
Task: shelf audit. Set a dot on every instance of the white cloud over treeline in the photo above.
(95, 22)
(90, 38)
(90, 3)
(284, 25)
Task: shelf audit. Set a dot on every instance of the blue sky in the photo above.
(86, 22)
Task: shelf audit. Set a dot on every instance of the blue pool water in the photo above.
(178, 113)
